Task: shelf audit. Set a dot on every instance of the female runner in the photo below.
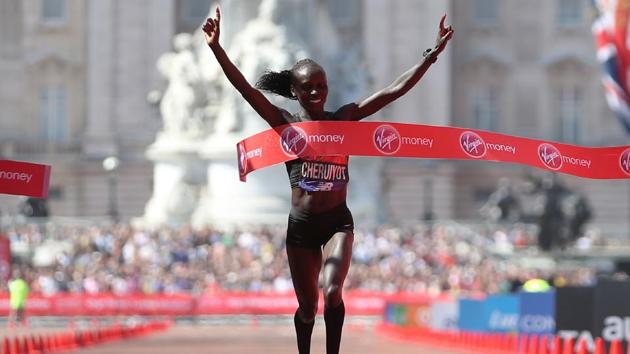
(320, 226)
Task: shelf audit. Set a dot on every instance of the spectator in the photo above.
(18, 288)
(127, 260)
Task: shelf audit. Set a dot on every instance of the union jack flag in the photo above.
(610, 29)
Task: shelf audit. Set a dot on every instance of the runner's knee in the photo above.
(332, 295)
(307, 312)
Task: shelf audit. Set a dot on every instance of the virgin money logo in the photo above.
(386, 139)
(550, 156)
(242, 159)
(293, 141)
(472, 144)
(624, 161)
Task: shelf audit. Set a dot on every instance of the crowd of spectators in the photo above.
(123, 259)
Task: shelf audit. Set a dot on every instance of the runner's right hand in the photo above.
(211, 29)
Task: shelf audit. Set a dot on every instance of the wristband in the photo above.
(429, 55)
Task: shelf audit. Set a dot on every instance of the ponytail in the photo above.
(276, 82)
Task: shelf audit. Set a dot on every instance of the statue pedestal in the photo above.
(226, 201)
(178, 178)
(364, 191)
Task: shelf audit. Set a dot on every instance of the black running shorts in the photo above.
(314, 230)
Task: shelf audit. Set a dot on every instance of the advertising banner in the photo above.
(357, 303)
(5, 258)
(24, 178)
(471, 315)
(537, 313)
(396, 314)
(418, 316)
(574, 313)
(501, 312)
(612, 310)
(444, 315)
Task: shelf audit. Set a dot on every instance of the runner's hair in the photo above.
(279, 82)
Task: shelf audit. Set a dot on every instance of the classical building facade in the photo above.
(75, 80)
(522, 68)
(529, 69)
(76, 74)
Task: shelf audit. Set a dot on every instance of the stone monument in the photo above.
(196, 173)
(179, 173)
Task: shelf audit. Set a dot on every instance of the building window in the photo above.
(485, 110)
(570, 13)
(570, 117)
(485, 12)
(194, 12)
(53, 11)
(53, 114)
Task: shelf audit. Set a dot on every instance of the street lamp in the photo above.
(110, 165)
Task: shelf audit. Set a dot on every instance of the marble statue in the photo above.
(183, 104)
(204, 116)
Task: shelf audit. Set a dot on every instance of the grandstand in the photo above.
(72, 256)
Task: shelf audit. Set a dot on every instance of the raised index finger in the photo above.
(442, 22)
(218, 14)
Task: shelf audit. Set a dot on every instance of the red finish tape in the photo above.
(290, 141)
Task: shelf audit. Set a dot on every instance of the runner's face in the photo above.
(310, 87)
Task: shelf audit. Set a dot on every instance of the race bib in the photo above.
(324, 174)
